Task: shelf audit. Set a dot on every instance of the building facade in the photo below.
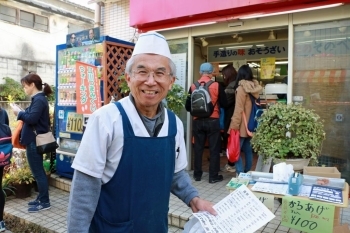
(309, 40)
(30, 31)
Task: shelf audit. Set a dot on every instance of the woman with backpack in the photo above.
(229, 74)
(4, 132)
(245, 86)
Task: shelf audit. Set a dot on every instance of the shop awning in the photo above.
(320, 76)
(159, 14)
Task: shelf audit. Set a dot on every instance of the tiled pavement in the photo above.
(55, 218)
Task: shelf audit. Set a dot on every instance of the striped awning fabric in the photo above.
(320, 76)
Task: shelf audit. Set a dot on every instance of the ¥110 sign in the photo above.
(251, 51)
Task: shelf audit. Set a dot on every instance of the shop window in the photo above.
(26, 19)
(41, 23)
(34, 21)
(321, 77)
(8, 14)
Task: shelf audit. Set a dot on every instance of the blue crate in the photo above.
(64, 166)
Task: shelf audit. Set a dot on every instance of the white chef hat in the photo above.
(152, 42)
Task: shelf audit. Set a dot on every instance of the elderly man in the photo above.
(132, 154)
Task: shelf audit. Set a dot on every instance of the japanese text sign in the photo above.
(277, 49)
(266, 199)
(87, 88)
(306, 215)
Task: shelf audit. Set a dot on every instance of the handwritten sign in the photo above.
(266, 199)
(267, 67)
(74, 123)
(87, 88)
(306, 215)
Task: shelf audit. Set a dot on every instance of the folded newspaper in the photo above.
(239, 212)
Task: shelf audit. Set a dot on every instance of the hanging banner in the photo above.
(87, 88)
(267, 67)
(306, 215)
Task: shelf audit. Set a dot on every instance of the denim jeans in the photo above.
(203, 129)
(35, 161)
(247, 149)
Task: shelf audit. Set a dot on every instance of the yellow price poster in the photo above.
(74, 122)
(306, 215)
(267, 67)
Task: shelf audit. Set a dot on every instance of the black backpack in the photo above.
(201, 105)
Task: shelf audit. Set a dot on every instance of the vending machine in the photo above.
(107, 59)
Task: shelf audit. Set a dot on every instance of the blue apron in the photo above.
(136, 199)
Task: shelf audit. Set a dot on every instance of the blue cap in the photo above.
(206, 68)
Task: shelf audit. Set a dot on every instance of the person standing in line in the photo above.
(208, 127)
(4, 119)
(122, 181)
(229, 74)
(35, 116)
(245, 85)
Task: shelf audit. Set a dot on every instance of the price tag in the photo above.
(306, 215)
(74, 122)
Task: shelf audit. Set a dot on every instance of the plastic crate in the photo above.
(64, 165)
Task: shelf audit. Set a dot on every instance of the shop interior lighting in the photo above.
(271, 36)
(260, 15)
(281, 62)
(342, 29)
(307, 33)
(204, 42)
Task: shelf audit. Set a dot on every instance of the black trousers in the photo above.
(201, 130)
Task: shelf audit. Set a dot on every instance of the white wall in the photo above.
(116, 21)
(23, 49)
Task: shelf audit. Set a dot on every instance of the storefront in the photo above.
(311, 48)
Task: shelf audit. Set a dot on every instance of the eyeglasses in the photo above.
(158, 75)
(72, 37)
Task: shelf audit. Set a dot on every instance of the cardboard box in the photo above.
(330, 172)
(341, 229)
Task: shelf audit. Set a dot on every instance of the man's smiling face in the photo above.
(148, 92)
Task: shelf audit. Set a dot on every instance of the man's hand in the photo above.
(198, 204)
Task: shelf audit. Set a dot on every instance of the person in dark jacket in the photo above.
(4, 119)
(35, 117)
(229, 74)
(208, 127)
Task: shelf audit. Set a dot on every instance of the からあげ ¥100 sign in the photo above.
(306, 215)
(87, 88)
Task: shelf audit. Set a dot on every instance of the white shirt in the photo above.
(101, 148)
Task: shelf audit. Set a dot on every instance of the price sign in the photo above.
(306, 215)
(74, 122)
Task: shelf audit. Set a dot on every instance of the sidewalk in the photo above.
(55, 218)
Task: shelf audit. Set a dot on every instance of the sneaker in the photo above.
(215, 179)
(2, 226)
(230, 168)
(33, 203)
(39, 207)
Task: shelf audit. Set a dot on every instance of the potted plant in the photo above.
(289, 131)
(7, 189)
(18, 174)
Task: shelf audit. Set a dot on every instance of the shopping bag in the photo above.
(233, 146)
(16, 135)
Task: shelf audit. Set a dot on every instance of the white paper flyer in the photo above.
(239, 212)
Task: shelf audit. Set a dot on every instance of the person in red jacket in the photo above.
(209, 127)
